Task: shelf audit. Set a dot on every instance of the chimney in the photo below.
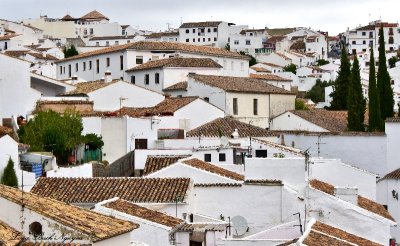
(235, 134)
(107, 77)
(348, 194)
(74, 79)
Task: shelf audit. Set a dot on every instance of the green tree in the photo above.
(9, 177)
(385, 90)
(322, 62)
(300, 105)
(228, 46)
(317, 92)
(290, 68)
(50, 131)
(252, 60)
(355, 100)
(392, 61)
(339, 95)
(93, 141)
(374, 121)
(71, 51)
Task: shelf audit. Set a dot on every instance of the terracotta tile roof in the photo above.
(144, 213)
(84, 88)
(19, 53)
(393, 120)
(272, 64)
(275, 39)
(97, 226)
(178, 86)
(280, 31)
(260, 69)
(239, 84)
(269, 77)
(283, 56)
(323, 234)
(161, 46)
(334, 121)
(5, 131)
(112, 37)
(196, 163)
(93, 190)
(244, 31)
(94, 15)
(362, 202)
(267, 182)
(42, 56)
(67, 17)
(225, 126)
(392, 175)
(177, 62)
(157, 162)
(8, 37)
(9, 236)
(279, 146)
(201, 24)
(219, 185)
(167, 107)
(298, 45)
(203, 227)
(162, 34)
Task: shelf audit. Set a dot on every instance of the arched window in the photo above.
(35, 229)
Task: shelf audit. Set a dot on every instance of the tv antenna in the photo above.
(319, 143)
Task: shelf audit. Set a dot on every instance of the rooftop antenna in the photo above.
(168, 26)
(319, 144)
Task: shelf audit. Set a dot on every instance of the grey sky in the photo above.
(333, 16)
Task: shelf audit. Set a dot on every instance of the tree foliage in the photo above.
(252, 60)
(71, 51)
(290, 68)
(317, 92)
(385, 90)
(228, 46)
(93, 141)
(355, 100)
(9, 177)
(374, 121)
(50, 131)
(392, 61)
(339, 95)
(300, 105)
(322, 62)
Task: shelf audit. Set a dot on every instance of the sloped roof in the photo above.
(196, 163)
(94, 15)
(275, 39)
(8, 36)
(86, 190)
(84, 88)
(298, 45)
(244, 31)
(362, 202)
(333, 121)
(67, 17)
(260, 69)
(201, 24)
(225, 126)
(392, 175)
(324, 235)
(5, 131)
(9, 236)
(269, 77)
(167, 107)
(239, 84)
(97, 226)
(144, 213)
(157, 162)
(161, 34)
(112, 37)
(178, 86)
(272, 64)
(177, 62)
(161, 46)
(280, 31)
(19, 53)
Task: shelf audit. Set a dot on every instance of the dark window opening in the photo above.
(90, 65)
(207, 99)
(157, 78)
(108, 61)
(141, 143)
(255, 106)
(235, 106)
(35, 229)
(139, 59)
(133, 79)
(121, 62)
(97, 66)
(222, 157)
(147, 79)
(207, 157)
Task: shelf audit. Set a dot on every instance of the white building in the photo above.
(105, 41)
(170, 36)
(250, 41)
(249, 100)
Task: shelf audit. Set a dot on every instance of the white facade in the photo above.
(386, 195)
(249, 41)
(274, 58)
(291, 122)
(105, 41)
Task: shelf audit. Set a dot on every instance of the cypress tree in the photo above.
(9, 177)
(374, 121)
(339, 95)
(355, 100)
(385, 90)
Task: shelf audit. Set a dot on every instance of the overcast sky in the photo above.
(333, 16)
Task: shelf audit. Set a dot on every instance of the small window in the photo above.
(36, 229)
(209, 30)
(84, 66)
(207, 157)
(364, 42)
(255, 106)
(133, 79)
(353, 42)
(121, 62)
(187, 30)
(76, 67)
(141, 143)
(97, 43)
(139, 59)
(194, 30)
(198, 40)
(187, 40)
(363, 33)
(157, 78)
(147, 79)
(108, 61)
(236, 42)
(215, 29)
(116, 42)
(209, 39)
(97, 66)
(222, 157)
(61, 69)
(207, 99)
(194, 40)
(235, 106)
(204, 39)
(215, 39)
(90, 65)
(107, 43)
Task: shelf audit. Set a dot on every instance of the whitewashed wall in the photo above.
(291, 122)
(81, 171)
(384, 196)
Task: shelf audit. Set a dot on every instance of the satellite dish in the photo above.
(239, 225)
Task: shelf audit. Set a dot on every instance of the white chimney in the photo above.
(348, 194)
(107, 77)
(74, 79)
(235, 134)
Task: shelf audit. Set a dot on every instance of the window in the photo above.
(364, 42)
(133, 79)
(60, 69)
(198, 40)
(207, 157)
(236, 42)
(371, 34)
(84, 66)
(215, 39)
(187, 40)
(255, 106)
(247, 42)
(108, 61)
(371, 43)
(353, 42)
(97, 66)
(107, 43)
(139, 59)
(194, 30)
(91, 31)
(209, 30)
(146, 79)
(5, 45)
(116, 42)
(204, 39)
(222, 157)
(121, 62)
(63, 70)
(390, 31)
(141, 143)
(391, 40)
(90, 65)
(97, 44)
(235, 106)
(35, 229)
(85, 31)
(207, 99)
(215, 29)
(187, 30)
(157, 78)
(76, 67)
(194, 40)
(363, 33)
(209, 39)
